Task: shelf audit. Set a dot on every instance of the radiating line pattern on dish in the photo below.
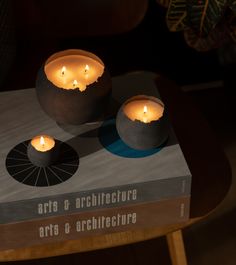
(21, 169)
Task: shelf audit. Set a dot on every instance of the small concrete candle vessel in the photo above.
(142, 123)
(43, 150)
(73, 87)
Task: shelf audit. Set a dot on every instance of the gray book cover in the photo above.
(94, 223)
(104, 174)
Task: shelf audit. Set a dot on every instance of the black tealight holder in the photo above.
(46, 158)
(140, 135)
(27, 169)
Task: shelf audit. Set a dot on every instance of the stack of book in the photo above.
(110, 192)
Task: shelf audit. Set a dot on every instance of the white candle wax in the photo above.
(43, 143)
(144, 110)
(73, 71)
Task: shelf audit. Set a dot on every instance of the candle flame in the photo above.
(75, 83)
(42, 141)
(145, 109)
(86, 69)
(63, 70)
(144, 112)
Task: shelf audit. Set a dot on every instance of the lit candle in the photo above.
(84, 69)
(144, 114)
(73, 87)
(42, 150)
(43, 143)
(75, 83)
(63, 70)
(141, 122)
(144, 110)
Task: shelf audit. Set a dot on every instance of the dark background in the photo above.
(36, 29)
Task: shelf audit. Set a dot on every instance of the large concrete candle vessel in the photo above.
(73, 87)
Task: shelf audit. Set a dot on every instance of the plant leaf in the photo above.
(232, 5)
(231, 24)
(176, 15)
(232, 32)
(204, 15)
(215, 39)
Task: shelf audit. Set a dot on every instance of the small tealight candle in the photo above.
(43, 143)
(141, 122)
(42, 150)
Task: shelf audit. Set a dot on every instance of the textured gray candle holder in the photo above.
(73, 106)
(140, 135)
(43, 159)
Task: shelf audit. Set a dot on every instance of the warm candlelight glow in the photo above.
(86, 75)
(75, 83)
(43, 143)
(144, 110)
(65, 69)
(145, 120)
(86, 69)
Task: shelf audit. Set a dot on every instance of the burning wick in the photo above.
(86, 69)
(145, 109)
(63, 70)
(144, 112)
(42, 141)
(75, 83)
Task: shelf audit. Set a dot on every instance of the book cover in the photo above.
(92, 223)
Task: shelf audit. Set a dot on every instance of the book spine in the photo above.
(69, 203)
(94, 223)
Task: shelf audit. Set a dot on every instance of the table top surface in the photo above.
(211, 176)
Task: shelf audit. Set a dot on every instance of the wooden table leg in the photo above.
(176, 248)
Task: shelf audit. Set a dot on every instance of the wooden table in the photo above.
(210, 183)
